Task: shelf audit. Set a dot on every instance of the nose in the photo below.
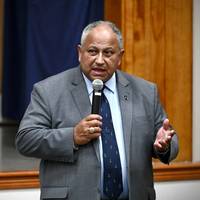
(99, 59)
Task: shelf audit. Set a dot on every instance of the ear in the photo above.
(120, 56)
(79, 52)
(121, 52)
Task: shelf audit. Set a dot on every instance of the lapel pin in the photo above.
(125, 97)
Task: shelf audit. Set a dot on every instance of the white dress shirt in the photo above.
(112, 95)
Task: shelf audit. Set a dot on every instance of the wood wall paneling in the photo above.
(178, 64)
(112, 11)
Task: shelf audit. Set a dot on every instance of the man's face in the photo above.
(100, 55)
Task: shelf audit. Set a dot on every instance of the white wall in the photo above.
(176, 190)
(26, 194)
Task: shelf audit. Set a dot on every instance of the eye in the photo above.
(108, 53)
(92, 52)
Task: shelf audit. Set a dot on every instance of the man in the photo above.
(59, 129)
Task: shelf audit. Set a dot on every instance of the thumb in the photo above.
(166, 124)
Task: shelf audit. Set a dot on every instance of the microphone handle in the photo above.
(96, 102)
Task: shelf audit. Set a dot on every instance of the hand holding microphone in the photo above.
(89, 128)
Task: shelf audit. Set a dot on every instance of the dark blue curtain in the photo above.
(40, 39)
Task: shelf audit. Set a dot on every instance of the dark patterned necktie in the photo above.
(112, 176)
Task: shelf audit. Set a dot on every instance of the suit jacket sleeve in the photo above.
(172, 152)
(37, 138)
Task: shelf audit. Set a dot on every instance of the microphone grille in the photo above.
(97, 84)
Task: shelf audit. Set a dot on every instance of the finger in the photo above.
(171, 133)
(157, 145)
(168, 136)
(94, 136)
(95, 123)
(163, 142)
(166, 124)
(164, 145)
(93, 117)
(161, 145)
(93, 130)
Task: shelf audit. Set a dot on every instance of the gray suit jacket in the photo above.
(57, 104)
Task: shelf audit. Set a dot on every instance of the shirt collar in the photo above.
(110, 84)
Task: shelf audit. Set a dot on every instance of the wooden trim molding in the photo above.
(172, 172)
(19, 179)
(176, 171)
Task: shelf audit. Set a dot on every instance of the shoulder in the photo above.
(142, 89)
(62, 79)
(137, 83)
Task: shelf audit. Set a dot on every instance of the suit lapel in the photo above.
(81, 98)
(80, 94)
(126, 105)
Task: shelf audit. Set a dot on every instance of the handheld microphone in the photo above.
(97, 85)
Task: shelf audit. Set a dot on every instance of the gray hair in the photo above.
(93, 25)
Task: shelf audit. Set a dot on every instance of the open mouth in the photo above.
(98, 72)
